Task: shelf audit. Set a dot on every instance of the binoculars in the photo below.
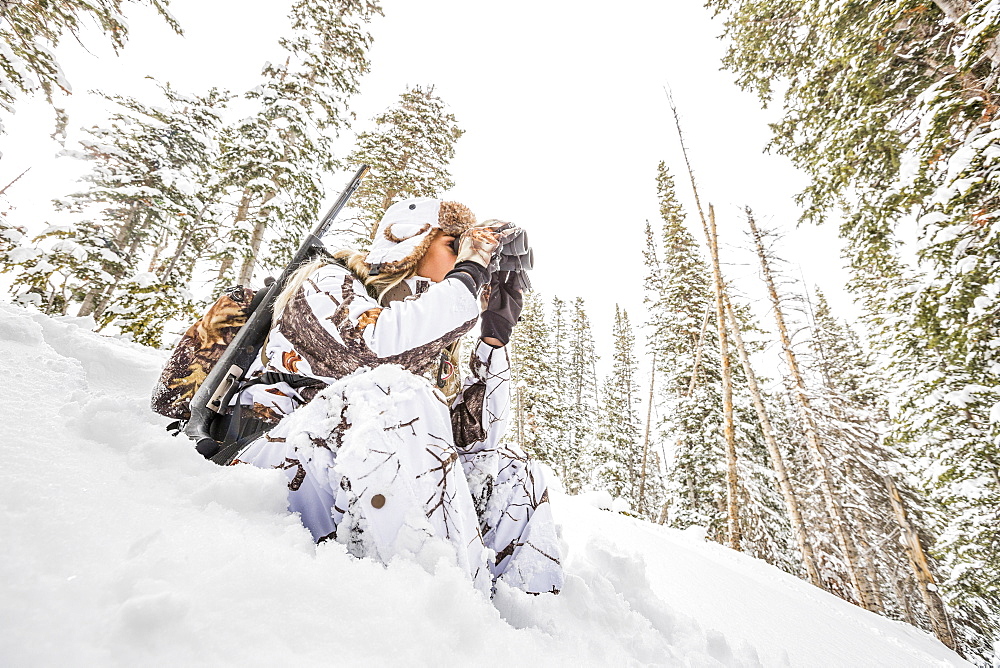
(515, 253)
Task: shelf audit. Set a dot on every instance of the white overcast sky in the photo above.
(565, 118)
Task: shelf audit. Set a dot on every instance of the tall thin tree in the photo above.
(820, 464)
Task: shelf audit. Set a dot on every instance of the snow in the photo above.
(145, 279)
(966, 395)
(124, 547)
(23, 254)
(70, 248)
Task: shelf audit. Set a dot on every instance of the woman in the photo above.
(380, 459)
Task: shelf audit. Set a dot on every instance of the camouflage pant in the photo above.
(372, 464)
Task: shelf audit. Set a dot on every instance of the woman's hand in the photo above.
(477, 244)
(503, 308)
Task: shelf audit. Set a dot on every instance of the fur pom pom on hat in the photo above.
(404, 233)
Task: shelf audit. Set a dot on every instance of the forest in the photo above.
(864, 460)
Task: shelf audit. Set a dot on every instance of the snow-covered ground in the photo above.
(121, 546)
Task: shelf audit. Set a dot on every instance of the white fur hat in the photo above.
(404, 233)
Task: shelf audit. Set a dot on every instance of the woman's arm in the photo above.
(341, 302)
(479, 414)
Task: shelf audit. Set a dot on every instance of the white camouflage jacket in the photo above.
(332, 328)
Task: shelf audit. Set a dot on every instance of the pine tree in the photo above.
(690, 403)
(534, 380)
(560, 413)
(890, 108)
(155, 188)
(30, 31)
(844, 366)
(558, 426)
(275, 158)
(687, 398)
(853, 408)
(618, 453)
(408, 151)
(580, 387)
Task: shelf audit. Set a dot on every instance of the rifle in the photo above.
(212, 399)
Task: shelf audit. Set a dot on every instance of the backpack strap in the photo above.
(293, 379)
(267, 378)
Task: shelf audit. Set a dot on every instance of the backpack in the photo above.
(198, 351)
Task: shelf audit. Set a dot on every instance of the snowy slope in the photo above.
(121, 546)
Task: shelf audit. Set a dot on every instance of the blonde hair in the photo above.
(377, 286)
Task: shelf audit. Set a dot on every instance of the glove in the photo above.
(207, 448)
(503, 307)
(477, 244)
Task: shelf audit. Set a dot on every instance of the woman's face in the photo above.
(438, 260)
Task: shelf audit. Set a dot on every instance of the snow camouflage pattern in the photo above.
(198, 351)
(377, 461)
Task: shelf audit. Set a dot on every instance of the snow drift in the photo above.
(122, 546)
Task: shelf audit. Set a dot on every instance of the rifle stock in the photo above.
(212, 398)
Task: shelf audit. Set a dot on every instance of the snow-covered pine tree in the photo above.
(617, 455)
(559, 414)
(852, 420)
(580, 387)
(276, 157)
(54, 268)
(890, 106)
(842, 363)
(30, 31)
(689, 398)
(776, 459)
(408, 151)
(149, 213)
(849, 421)
(533, 374)
(862, 589)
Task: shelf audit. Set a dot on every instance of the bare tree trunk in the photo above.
(921, 569)
(227, 264)
(955, 11)
(256, 239)
(182, 246)
(866, 556)
(93, 298)
(701, 349)
(645, 443)
(732, 478)
(904, 600)
(18, 178)
(107, 292)
(777, 460)
(157, 251)
(836, 516)
(89, 302)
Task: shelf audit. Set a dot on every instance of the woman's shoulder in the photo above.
(332, 276)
